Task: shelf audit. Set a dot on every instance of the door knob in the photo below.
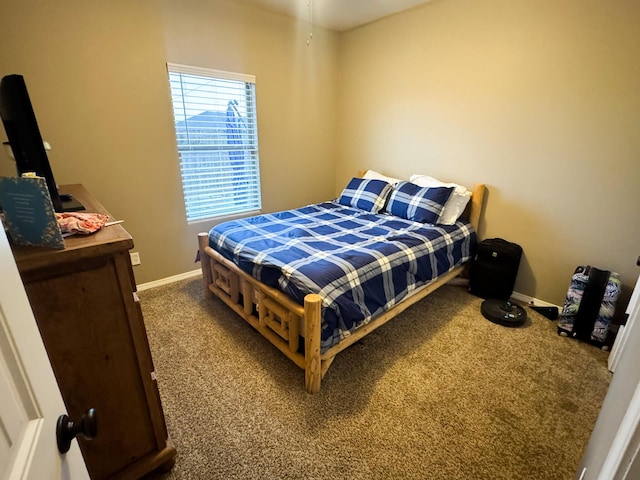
(67, 429)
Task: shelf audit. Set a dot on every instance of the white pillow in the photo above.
(457, 201)
(373, 175)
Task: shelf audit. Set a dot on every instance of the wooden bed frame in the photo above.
(282, 321)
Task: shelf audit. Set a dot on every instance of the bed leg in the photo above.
(312, 325)
(205, 262)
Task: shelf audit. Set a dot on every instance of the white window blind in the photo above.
(216, 130)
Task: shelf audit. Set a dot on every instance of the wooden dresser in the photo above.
(89, 317)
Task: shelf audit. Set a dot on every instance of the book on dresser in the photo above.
(29, 215)
(89, 316)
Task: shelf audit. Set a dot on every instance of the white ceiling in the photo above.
(339, 15)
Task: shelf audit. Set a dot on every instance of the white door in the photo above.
(30, 401)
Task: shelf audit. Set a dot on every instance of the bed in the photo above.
(315, 280)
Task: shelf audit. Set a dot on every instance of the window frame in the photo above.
(196, 147)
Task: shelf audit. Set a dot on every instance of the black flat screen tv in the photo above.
(24, 137)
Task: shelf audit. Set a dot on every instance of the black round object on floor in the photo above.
(503, 312)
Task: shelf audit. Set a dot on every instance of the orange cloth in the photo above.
(79, 222)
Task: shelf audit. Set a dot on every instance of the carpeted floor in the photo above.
(437, 393)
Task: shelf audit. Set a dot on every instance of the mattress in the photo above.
(360, 263)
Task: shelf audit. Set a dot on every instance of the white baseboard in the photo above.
(168, 280)
(521, 297)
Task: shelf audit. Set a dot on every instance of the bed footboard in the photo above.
(279, 319)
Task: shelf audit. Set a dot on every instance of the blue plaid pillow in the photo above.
(419, 204)
(366, 194)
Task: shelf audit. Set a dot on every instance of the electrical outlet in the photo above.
(135, 258)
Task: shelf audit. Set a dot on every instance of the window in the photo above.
(216, 130)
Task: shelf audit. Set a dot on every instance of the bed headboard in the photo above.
(476, 205)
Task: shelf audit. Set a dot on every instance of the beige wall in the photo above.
(539, 99)
(97, 79)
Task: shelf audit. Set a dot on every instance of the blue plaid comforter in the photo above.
(360, 263)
